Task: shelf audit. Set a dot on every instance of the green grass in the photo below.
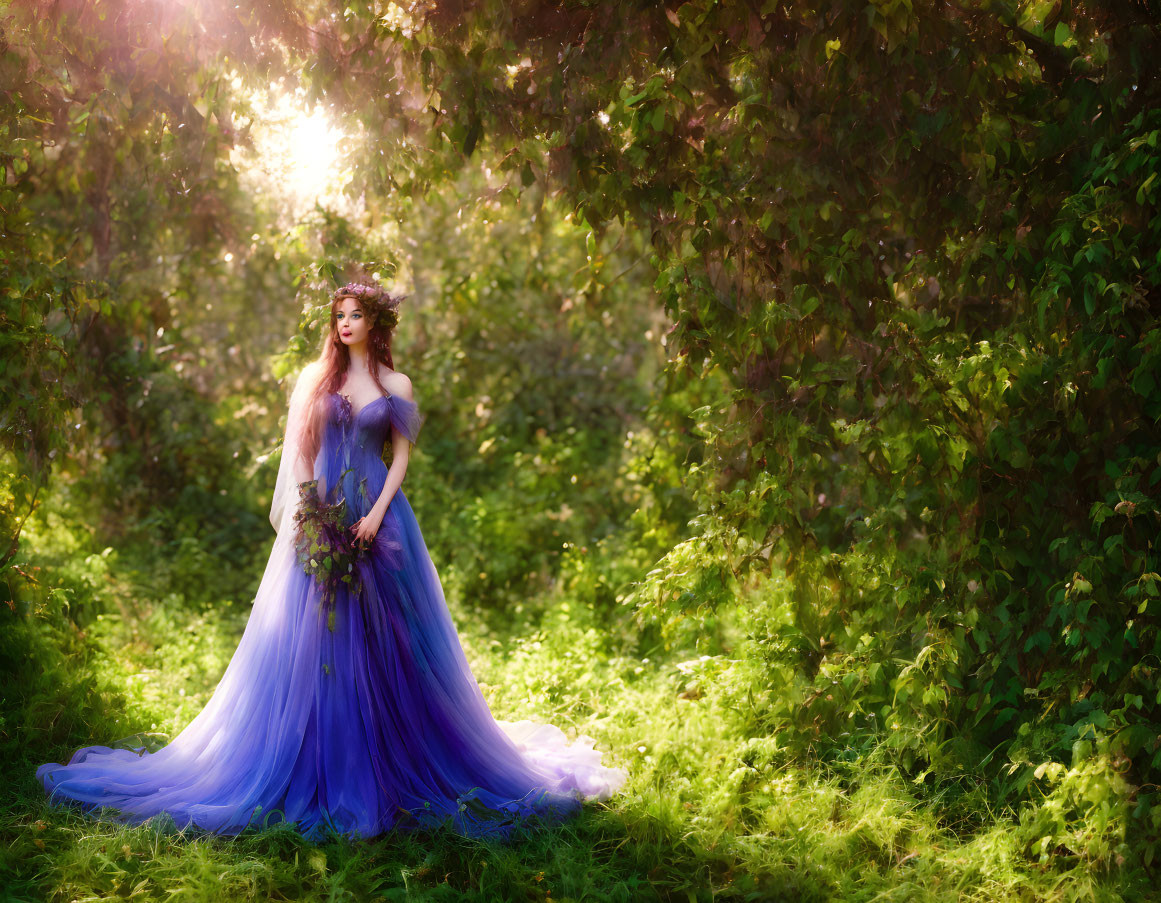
(711, 811)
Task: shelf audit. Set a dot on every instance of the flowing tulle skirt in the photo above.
(367, 723)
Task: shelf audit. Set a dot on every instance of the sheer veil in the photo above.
(292, 470)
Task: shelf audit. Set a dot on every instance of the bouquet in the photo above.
(326, 549)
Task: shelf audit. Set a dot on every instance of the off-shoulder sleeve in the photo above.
(406, 417)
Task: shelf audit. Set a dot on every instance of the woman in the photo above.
(349, 704)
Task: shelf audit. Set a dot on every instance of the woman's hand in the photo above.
(365, 528)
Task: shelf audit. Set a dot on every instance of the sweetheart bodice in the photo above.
(350, 404)
(350, 463)
(372, 420)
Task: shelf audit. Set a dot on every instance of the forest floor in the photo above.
(707, 814)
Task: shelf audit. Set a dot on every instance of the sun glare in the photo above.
(314, 151)
(297, 155)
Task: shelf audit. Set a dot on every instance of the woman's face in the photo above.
(352, 325)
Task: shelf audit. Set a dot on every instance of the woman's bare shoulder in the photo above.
(397, 383)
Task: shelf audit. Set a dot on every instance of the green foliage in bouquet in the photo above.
(324, 545)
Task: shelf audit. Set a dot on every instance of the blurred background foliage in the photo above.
(791, 373)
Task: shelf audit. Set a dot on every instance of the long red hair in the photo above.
(336, 361)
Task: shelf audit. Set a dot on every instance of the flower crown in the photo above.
(377, 301)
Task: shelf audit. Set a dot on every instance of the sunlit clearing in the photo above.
(297, 155)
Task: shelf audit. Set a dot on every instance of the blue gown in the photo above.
(366, 724)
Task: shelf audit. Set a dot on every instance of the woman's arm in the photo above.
(400, 454)
(302, 471)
